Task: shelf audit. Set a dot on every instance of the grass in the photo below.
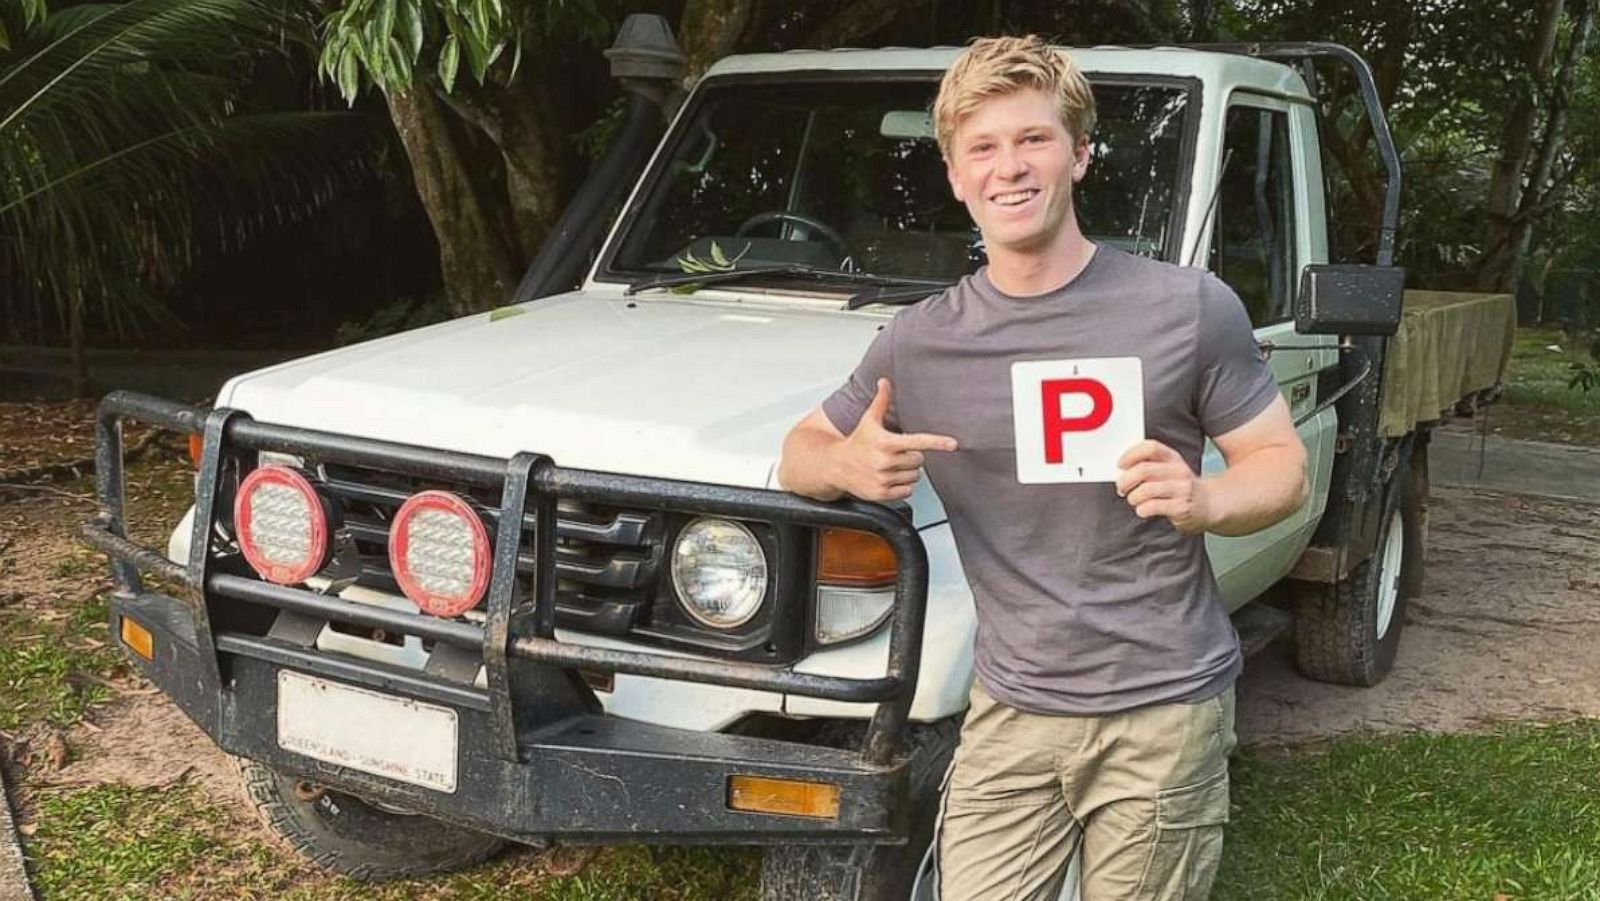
(55, 653)
(1513, 813)
(1516, 812)
(1538, 404)
(115, 842)
(51, 671)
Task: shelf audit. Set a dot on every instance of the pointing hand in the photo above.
(881, 465)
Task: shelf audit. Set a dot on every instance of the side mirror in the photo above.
(1349, 299)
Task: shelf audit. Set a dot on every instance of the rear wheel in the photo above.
(359, 838)
(869, 872)
(1348, 633)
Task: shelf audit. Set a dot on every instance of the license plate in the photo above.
(397, 738)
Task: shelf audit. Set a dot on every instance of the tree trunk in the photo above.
(1540, 196)
(535, 181)
(855, 21)
(1516, 143)
(1202, 20)
(709, 31)
(479, 267)
(79, 354)
(1352, 152)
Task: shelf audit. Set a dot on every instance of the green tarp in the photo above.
(1449, 345)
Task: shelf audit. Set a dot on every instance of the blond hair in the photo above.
(993, 67)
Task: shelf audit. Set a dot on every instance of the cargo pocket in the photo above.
(1187, 845)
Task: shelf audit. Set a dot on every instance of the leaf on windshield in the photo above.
(719, 262)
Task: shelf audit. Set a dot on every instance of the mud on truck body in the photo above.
(527, 576)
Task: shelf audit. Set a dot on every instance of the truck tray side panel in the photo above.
(1450, 345)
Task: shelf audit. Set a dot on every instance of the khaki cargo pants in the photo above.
(1144, 793)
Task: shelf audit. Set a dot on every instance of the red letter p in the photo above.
(1056, 425)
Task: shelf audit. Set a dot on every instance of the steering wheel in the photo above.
(815, 225)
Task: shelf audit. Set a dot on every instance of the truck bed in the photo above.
(1450, 345)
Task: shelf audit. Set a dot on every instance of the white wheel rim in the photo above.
(1389, 566)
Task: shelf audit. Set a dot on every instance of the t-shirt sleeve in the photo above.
(1235, 383)
(844, 406)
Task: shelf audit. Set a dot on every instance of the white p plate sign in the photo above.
(1075, 418)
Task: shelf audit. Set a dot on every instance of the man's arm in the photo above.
(1265, 479)
(806, 466)
(871, 462)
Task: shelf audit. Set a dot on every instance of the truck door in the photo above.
(1261, 237)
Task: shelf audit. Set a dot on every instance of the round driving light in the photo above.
(439, 552)
(720, 572)
(282, 526)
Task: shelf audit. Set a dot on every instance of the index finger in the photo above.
(922, 441)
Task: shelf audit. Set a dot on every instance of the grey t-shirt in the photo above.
(1083, 608)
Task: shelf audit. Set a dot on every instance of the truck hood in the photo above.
(680, 388)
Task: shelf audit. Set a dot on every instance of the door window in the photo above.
(1253, 246)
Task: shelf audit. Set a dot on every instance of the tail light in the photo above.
(282, 524)
(439, 552)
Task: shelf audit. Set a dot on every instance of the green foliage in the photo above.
(1453, 70)
(594, 141)
(400, 315)
(1585, 376)
(391, 42)
(19, 16)
(126, 148)
(1544, 363)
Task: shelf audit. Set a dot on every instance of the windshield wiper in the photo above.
(907, 294)
(796, 270)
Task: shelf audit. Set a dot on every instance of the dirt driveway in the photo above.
(1506, 628)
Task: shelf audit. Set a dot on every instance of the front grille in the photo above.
(607, 559)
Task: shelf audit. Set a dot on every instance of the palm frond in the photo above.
(124, 149)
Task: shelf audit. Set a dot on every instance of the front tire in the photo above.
(357, 838)
(1348, 633)
(870, 872)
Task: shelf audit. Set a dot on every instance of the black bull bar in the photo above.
(585, 776)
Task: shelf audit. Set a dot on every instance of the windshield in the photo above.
(847, 176)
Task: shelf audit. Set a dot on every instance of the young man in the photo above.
(1102, 715)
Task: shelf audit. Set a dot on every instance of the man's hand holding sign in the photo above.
(1157, 482)
(1083, 420)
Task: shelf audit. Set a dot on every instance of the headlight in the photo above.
(440, 553)
(720, 572)
(282, 523)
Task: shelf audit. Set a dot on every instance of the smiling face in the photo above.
(1013, 162)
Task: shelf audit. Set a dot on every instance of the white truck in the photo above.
(527, 575)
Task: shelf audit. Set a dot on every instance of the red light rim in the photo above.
(400, 540)
(277, 572)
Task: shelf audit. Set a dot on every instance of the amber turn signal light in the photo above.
(849, 557)
(760, 794)
(197, 443)
(138, 639)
